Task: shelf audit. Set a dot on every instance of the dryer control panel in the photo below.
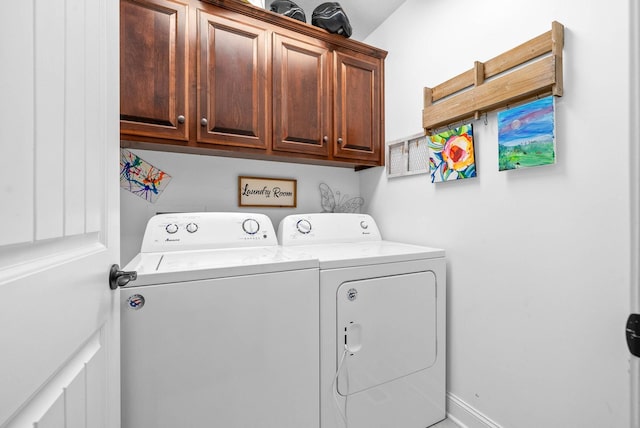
(207, 230)
(320, 228)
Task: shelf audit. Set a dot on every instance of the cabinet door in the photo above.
(301, 96)
(232, 74)
(357, 109)
(153, 61)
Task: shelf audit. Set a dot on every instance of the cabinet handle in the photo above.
(203, 121)
(325, 138)
(340, 141)
(181, 119)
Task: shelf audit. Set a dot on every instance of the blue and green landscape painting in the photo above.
(526, 135)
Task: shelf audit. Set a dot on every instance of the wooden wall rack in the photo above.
(509, 78)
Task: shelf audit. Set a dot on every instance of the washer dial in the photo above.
(171, 228)
(251, 226)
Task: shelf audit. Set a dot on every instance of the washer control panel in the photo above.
(193, 231)
(172, 228)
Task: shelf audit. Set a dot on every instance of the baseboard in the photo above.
(465, 415)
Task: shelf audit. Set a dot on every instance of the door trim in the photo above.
(634, 176)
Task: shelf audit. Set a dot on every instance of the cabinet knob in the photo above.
(340, 141)
(325, 138)
(203, 121)
(181, 119)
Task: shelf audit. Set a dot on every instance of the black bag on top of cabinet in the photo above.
(332, 18)
(288, 8)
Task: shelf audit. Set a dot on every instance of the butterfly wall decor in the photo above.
(336, 203)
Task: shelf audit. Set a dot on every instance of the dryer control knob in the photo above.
(192, 228)
(303, 226)
(364, 224)
(171, 228)
(251, 226)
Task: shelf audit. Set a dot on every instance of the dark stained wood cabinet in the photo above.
(225, 78)
(357, 99)
(153, 69)
(231, 71)
(301, 95)
(326, 101)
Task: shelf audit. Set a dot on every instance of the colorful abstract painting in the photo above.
(526, 135)
(140, 177)
(451, 155)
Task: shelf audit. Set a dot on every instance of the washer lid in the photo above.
(181, 266)
(341, 255)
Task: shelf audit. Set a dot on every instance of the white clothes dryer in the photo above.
(382, 322)
(220, 329)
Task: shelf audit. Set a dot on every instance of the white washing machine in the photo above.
(220, 329)
(382, 323)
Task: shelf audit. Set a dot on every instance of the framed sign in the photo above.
(266, 192)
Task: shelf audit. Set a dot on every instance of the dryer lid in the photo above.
(342, 255)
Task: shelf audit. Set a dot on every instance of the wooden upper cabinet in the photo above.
(153, 69)
(358, 108)
(223, 77)
(232, 74)
(301, 95)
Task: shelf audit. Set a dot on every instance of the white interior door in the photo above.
(59, 329)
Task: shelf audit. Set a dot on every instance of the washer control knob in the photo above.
(303, 226)
(364, 224)
(192, 227)
(171, 228)
(251, 226)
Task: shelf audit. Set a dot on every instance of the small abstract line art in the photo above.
(451, 155)
(140, 177)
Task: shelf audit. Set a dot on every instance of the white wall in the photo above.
(210, 183)
(539, 265)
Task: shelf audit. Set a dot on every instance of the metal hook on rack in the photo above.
(448, 127)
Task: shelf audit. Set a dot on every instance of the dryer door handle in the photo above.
(353, 337)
